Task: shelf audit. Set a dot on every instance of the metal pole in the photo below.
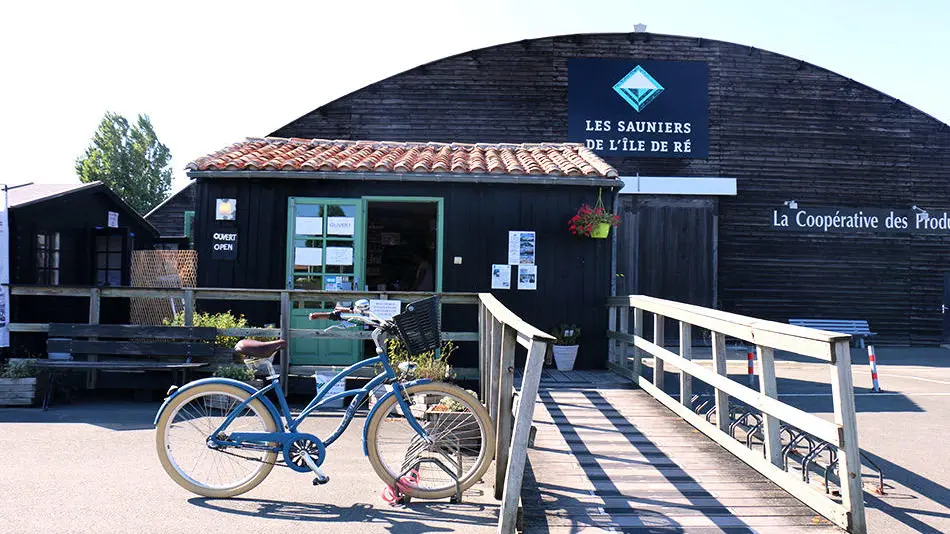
(872, 358)
(751, 357)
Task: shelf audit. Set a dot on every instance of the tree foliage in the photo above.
(130, 160)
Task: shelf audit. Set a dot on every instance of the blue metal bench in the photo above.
(857, 328)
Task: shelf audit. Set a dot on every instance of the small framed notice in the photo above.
(385, 309)
(500, 276)
(528, 277)
(113, 219)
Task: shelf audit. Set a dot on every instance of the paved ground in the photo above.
(905, 429)
(92, 467)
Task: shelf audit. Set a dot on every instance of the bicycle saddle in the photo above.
(259, 349)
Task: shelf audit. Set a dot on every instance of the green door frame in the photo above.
(440, 223)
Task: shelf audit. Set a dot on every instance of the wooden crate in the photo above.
(17, 391)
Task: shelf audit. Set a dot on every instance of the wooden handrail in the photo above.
(766, 336)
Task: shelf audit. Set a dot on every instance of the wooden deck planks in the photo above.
(611, 459)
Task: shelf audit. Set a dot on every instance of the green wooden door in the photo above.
(324, 252)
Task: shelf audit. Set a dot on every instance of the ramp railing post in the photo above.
(658, 336)
(686, 352)
(849, 460)
(637, 353)
(505, 404)
(767, 385)
(722, 369)
(612, 343)
(624, 328)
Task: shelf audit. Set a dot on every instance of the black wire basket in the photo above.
(418, 327)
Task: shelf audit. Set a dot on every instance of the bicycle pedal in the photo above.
(317, 481)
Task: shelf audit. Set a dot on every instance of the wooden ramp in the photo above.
(610, 458)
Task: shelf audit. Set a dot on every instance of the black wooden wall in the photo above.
(169, 217)
(786, 129)
(573, 272)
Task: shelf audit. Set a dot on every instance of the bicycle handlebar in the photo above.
(348, 315)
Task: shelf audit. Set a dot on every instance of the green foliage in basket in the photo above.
(566, 334)
(237, 372)
(19, 369)
(431, 365)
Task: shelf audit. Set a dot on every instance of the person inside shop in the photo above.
(424, 280)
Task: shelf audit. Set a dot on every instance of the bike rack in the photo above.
(414, 459)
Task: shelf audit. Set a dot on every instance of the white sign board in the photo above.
(339, 256)
(341, 225)
(527, 277)
(500, 276)
(308, 256)
(308, 226)
(521, 248)
(225, 209)
(113, 219)
(385, 309)
(322, 379)
(4, 275)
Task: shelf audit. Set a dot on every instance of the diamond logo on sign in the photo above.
(638, 88)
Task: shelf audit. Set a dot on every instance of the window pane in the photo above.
(41, 259)
(100, 277)
(41, 240)
(309, 210)
(115, 278)
(307, 282)
(54, 277)
(115, 242)
(115, 260)
(55, 243)
(100, 243)
(101, 261)
(54, 259)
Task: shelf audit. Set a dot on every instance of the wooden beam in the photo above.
(849, 459)
(612, 355)
(686, 352)
(637, 353)
(721, 364)
(658, 335)
(503, 429)
(771, 427)
(189, 307)
(494, 366)
(624, 328)
(94, 296)
(503, 314)
(519, 440)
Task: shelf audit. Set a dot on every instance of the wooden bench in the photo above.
(857, 328)
(127, 348)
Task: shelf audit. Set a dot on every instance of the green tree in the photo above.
(130, 160)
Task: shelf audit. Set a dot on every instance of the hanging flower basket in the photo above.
(593, 221)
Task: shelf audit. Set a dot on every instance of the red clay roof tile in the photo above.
(296, 154)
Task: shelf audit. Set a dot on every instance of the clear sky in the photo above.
(209, 73)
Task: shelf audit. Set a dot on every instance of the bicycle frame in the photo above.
(288, 426)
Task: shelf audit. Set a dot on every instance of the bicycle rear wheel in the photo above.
(463, 441)
(182, 441)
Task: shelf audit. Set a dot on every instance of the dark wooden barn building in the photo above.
(752, 181)
(70, 234)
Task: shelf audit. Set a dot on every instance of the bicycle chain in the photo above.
(275, 464)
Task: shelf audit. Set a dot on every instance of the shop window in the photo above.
(109, 255)
(189, 226)
(47, 258)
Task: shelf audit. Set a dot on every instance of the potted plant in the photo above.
(593, 221)
(565, 346)
(18, 383)
(448, 414)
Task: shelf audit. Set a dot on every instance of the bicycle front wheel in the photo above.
(182, 440)
(462, 441)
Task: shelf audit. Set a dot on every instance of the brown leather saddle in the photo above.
(259, 349)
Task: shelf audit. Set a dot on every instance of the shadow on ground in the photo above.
(412, 519)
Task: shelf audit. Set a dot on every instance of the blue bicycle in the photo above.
(219, 437)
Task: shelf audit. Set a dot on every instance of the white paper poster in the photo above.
(308, 226)
(340, 225)
(225, 209)
(385, 309)
(500, 276)
(113, 219)
(339, 256)
(4, 275)
(521, 248)
(527, 277)
(308, 256)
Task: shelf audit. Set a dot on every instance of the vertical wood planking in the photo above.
(637, 353)
(285, 334)
(686, 351)
(849, 460)
(722, 368)
(624, 328)
(767, 386)
(482, 354)
(658, 370)
(519, 438)
(506, 388)
(94, 313)
(189, 307)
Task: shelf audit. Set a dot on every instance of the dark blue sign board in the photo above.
(639, 108)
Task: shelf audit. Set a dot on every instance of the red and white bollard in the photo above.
(873, 359)
(751, 368)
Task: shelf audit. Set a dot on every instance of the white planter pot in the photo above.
(564, 356)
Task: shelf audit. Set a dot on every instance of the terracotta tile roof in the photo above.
(294, 154)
